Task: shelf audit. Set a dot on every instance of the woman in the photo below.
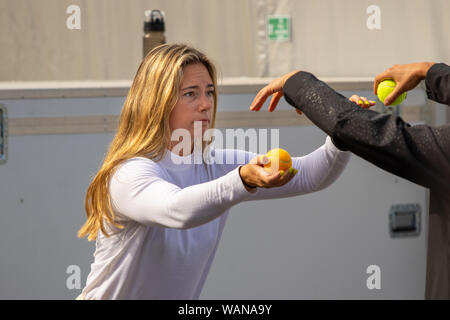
(156, 217)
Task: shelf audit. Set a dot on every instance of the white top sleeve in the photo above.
(316, 171)
(140, 192)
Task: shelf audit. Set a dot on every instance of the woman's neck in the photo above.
(182, 152)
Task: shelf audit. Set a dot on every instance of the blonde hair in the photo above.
(144, 124)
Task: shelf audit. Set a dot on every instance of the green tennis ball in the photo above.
(385, 88)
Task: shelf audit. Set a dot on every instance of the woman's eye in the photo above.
(210, 93)
(189, 94)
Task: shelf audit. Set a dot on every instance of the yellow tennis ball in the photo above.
(385, 88)
(279, 160)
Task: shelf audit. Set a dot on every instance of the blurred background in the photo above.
(328, 38)
(65, 70)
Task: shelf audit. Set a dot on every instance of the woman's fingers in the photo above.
(280, 178)
(260, 98)
(286, 177)
(255, 175)
(260, 160)
(275, 179)
(274, 87)
(354, 98)
(363, 102)
(273, 103)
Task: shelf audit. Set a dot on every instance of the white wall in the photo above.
(329, 38)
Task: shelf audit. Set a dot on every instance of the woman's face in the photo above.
(196, 101)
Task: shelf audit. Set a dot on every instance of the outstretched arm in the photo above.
(316, 171)
(420, 154)
(140, 192)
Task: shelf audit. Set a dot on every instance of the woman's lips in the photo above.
(204, 121)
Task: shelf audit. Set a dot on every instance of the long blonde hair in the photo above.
(144, 124)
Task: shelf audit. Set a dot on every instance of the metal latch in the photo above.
(404, 220)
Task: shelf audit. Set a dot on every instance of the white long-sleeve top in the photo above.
(174, 214)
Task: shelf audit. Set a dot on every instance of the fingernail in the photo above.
(360, 102)
(371, 101)
(291, 170)
(281, 173)
(295, 171)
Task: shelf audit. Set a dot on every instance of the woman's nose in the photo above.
(205, 103)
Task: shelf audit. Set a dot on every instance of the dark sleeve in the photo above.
(419, 153)
(438, 83)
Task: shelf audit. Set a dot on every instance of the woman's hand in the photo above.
(275, 88)
(363, 102)
(253, 174)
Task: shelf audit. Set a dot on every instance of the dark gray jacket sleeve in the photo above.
(438, 83)
(419, 153)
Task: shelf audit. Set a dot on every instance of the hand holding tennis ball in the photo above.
(267, 171)
(405, 76)
(385, 88)
(280, 159)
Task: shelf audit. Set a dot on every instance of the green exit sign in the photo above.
(279, 28)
